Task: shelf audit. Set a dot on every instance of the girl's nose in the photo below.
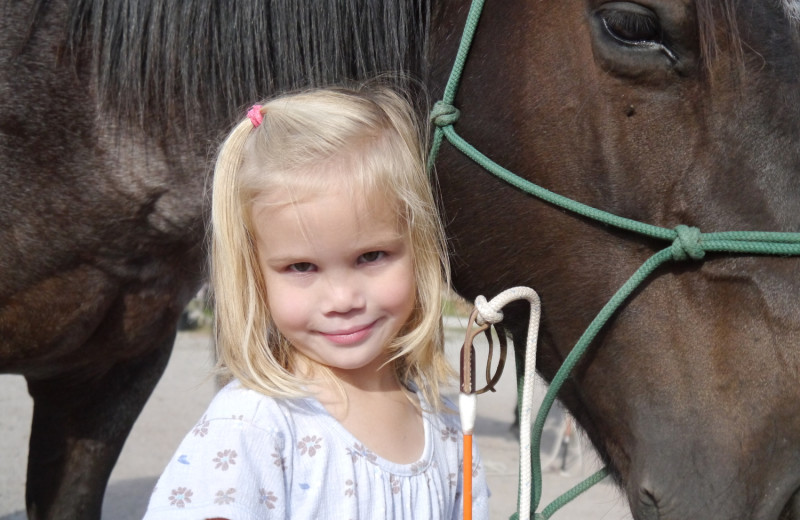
(343, 295)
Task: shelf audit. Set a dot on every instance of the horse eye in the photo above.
(632, 40)
(633, 24)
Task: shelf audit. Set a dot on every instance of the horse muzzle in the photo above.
(706, 496)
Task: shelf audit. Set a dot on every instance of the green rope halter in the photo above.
(685, 243)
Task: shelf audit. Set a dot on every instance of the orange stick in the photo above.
(467, 476)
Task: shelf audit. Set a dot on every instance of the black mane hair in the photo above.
(162, 61)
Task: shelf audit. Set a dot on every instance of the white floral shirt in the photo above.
(255, 457)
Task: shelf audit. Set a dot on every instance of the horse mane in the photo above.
(709, 14)
(792, 10)
(158, 60)
(715, 43)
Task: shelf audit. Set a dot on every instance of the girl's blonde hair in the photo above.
(365, 137)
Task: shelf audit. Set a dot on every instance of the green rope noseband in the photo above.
(686, 243)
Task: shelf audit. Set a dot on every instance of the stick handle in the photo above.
(467, 494)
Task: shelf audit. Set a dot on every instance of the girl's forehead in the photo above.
(316, 217)
(363, 200)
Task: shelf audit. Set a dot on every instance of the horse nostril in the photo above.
(791, 510)
(647, 505)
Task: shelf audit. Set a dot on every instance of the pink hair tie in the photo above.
(255, 115)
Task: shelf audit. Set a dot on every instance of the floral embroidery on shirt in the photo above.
(351, 488)
(278, 460)
(309, 444)
(201, 428)
(450, 433)
(419, 467)
(476, 468)
(359, 450)
(352, 465)
(224, 459)
(180, 497)
(267, 498)
(224, 497)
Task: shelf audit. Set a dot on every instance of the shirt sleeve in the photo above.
(227, 468)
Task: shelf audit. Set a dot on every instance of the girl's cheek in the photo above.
(401, 294)
(287, 306)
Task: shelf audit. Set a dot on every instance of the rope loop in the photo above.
(687, 244)
(486, 312)
(444, 114)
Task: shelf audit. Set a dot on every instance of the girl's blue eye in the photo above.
(302, 267)
(372, 256)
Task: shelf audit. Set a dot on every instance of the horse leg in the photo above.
(79, 428)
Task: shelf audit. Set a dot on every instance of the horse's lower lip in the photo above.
(349, 337)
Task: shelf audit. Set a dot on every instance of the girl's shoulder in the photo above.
(444, 416)
(446, 406)
(239, 404)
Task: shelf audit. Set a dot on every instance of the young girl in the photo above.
(328, 265)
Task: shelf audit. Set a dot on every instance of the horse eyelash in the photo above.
(631, 23)
(635, 23)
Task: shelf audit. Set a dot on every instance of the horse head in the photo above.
(668, 112)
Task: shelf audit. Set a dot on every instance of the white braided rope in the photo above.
(490, 312)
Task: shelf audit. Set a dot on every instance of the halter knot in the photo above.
(687, 244)
(486, 312)
(444, 114)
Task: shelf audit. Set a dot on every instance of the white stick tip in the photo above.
(468, 409)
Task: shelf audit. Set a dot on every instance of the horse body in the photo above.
(106, 138)
(101, 250)
(666, 111)
(650, 112)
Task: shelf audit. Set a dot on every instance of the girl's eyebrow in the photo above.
(380, 245)
(388, 237)
(284, 260)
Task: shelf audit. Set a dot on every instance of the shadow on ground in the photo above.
(126, 499)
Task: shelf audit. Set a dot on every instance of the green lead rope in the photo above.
(685, 243)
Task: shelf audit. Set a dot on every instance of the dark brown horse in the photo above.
(109, 114)
(665, 111)
(668, 112)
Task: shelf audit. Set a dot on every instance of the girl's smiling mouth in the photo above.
(349, 336)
